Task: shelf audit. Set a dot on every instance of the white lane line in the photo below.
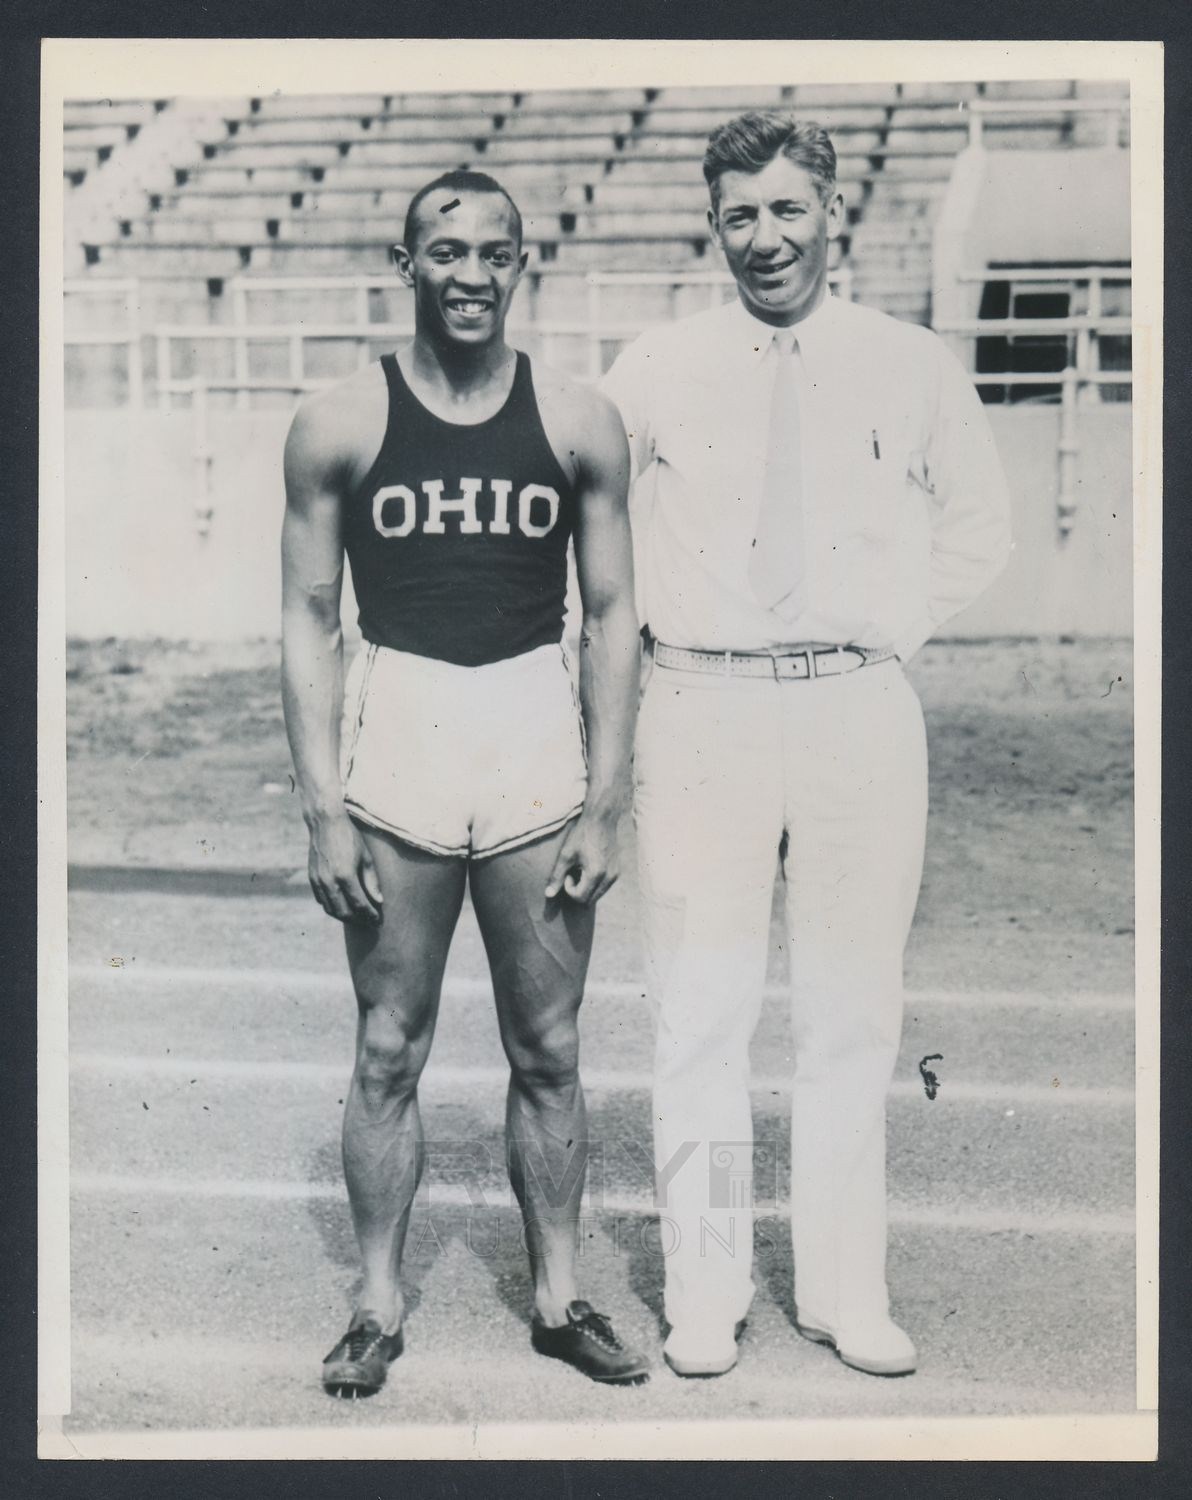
(105, 1184)
(136, 975)
(778, 1354)
(461, 1079)
(452, 1195)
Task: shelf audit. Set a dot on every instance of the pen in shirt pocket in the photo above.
(877, 447)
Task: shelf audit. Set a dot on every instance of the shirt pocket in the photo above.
(888, 478)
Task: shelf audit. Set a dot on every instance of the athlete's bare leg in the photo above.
(397, 969)
(538, 952)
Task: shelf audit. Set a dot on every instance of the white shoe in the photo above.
(702, 1351)
(878, 1347)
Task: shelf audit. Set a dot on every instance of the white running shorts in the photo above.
(462, 761)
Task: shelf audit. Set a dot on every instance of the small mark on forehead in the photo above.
(447, 207)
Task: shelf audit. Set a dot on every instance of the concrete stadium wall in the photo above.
(136, 565)
(1083, 586)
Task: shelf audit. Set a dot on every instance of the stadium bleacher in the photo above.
(609, 180)
(94, 129)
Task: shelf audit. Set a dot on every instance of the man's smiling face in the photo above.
(774, 231)
(464, 264)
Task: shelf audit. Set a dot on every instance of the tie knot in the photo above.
(785, 341)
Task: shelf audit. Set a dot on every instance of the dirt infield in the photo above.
(177, 756)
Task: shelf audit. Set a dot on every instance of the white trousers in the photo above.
(729, 771)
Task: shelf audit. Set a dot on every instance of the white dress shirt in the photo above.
(906, 516)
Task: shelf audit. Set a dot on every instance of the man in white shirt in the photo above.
(820, 492)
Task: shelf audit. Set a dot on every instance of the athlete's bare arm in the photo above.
(329, 440)
(596, 452)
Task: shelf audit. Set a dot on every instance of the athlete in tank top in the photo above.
(458, 534)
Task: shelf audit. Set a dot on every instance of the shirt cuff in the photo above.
(910, 640)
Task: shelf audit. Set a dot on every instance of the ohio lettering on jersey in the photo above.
(457, 535)
(480, 507)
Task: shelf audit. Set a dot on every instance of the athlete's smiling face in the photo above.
(464, 264)
(774, 230)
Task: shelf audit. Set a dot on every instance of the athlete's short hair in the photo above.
(752, 141)
(459, 181)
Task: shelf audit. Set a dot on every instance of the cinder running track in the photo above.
(213, 1261)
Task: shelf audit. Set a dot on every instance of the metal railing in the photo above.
(130, 337)
(297, 379)
(594, 331)
(1082, 377)
(1094, 320)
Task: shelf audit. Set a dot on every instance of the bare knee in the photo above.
(389, 1061)
(544, 1061)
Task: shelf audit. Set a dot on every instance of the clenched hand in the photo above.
(586, 865)
(341, 870)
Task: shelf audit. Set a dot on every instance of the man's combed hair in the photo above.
(459, 181)
(753, 140)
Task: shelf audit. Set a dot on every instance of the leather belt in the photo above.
(787, 665)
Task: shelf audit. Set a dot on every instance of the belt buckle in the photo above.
(792, 673)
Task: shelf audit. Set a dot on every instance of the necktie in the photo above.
(776, 563)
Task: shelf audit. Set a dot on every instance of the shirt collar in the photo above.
(754, 337)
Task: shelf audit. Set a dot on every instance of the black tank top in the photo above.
(457, 536)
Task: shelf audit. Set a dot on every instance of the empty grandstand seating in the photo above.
(291, 187)
(93, 129)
